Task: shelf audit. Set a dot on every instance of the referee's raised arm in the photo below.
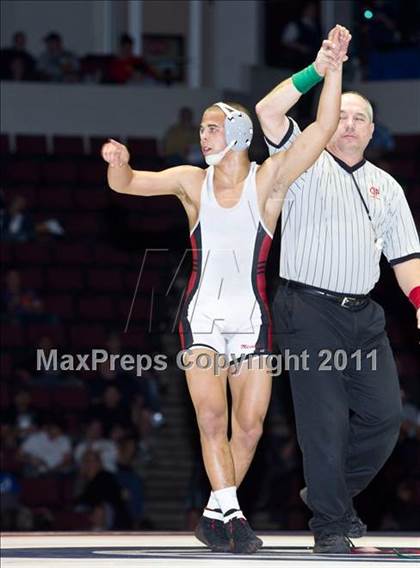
(272, 109)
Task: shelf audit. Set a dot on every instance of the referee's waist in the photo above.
(340, 297)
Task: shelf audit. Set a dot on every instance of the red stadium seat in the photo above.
(92, 199)
(71, 521)
(4, 144)
(32, 278)
(6, 363)
(28, 192)
(73, 253)
(61, 305)
(97, 308)
(82, 224)
(55, 198)
(109, 256)
(68, 146)
(93, 172)
(11, 335)
(70, 398)
(22, 170)
(40, 492)
(5, 398)
(41, 398)
(31, 145)
(106, 280)
(88, 336)
(62, 171)
(35, 331)
(33, 253)
(64, 279)
(7, 253)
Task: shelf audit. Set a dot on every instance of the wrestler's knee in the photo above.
(212, 422)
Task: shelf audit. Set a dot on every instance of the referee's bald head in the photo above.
(367, 103)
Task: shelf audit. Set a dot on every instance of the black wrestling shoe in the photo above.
(357, 526)
(242, 538)
(332, 544)
(212, 533)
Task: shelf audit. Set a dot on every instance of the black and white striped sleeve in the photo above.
(401, 239)
(292, 132)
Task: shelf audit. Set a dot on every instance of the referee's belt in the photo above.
(354, 302)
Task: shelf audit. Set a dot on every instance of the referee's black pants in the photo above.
(347, 419)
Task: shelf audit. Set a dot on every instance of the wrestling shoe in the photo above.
(242, 538)
(212, 533)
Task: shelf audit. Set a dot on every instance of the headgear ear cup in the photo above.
(238, 127)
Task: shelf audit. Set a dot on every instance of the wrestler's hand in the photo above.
(115, 153)
(333, 50)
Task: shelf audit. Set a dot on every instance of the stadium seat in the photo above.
(32, 278)
(4, 144)
(7, 253)
(64, 279)
(68, 146)
(33, 253)
(82, 225)
(73, 253)
(5, 398)
(70, 398)
(35, 331)
(31, 145)
(55, 198)
(71, 521)
(110, 256)
(22, 170)
(6, 364)
(41, 398)
(61, 305)
(87, 336)
(92, 199)
(59, 172)
(106, 280)
(93, 172)
(40, 492)
(11, 335)
(96, 308)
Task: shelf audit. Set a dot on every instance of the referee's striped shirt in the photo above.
(328, 240)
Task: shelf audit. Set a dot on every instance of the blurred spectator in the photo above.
(19, 303)
(46, 450)
(56, 63)
(111, 410)
(100, 494)
(130, 481)
(301, 38)
(16, 63)
(13, 516)
(21, 414)
(17, 224)
(95, 440)
(128, 67)
(180, 143)
(28, 372)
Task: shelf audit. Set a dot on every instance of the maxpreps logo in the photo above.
(247, 346)
(374, 192)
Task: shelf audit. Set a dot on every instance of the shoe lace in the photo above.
(349, 542)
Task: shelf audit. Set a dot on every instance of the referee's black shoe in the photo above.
(357, 527)
(212, 533)
(332, 544)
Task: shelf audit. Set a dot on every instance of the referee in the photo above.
(338, 218)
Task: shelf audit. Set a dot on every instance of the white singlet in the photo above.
(225, 306)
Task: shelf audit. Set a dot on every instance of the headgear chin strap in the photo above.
(238, 133)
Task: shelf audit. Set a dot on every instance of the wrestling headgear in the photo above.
(238, 133)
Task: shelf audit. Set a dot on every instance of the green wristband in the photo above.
(306, 79)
